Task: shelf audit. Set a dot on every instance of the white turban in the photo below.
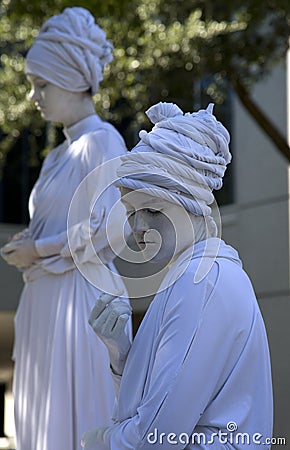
(70, 51)
(182, 159)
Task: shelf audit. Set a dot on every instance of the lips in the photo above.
(142, 245)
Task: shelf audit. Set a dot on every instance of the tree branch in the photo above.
(267, 126)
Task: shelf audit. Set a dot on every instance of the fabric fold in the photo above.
(182, 159)
(70, 51)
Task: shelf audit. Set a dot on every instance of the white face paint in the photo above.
(56, 104)
(161, 229)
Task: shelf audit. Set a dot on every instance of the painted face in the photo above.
(161, 229)
(55, 104)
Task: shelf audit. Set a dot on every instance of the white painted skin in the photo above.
(162, 230)
(59, 105)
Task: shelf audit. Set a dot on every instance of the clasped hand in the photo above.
(20, 251)
(94, 439)
(108, 319)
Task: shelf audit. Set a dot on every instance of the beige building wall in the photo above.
(258, 226)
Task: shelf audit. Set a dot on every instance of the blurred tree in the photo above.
(161, 48)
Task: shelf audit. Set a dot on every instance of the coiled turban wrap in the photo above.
(70, 51)
(182, 159)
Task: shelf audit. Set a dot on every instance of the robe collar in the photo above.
(85, 125)
(207, 251)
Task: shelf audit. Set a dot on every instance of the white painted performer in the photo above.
(62, 381)
(197, 375)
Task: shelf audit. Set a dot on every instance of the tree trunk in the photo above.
(269, 128)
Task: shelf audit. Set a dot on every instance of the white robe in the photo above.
(199, 363)
(62, 381)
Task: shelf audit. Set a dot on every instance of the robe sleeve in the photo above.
(88, 231)
(191, 353)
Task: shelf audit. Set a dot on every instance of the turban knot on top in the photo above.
(70, 51)
(182, 159)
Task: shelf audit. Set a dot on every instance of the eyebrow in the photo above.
(36, 79)
(155, 202)
(146, 204)
(40, 80)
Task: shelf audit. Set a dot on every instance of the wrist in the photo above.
(35, 250)
(48, 246)
(117, 362)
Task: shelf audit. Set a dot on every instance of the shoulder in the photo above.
(104, 140)
(187, 297)
(98, 145)
(54, 154)
(225, 292)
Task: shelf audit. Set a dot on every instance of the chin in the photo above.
(160, 259)
(44, 116)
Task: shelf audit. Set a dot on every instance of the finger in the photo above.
(98, 321)
(21, 265)
(8, 248)
(110, 297)
(107, 322)
(9, 257)
(98, 309)
(120, 324)
(119, 304)
(102, 302)
(107, 298)
(6, 260)
(3, 254)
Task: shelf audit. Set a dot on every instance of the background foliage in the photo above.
(163, 48)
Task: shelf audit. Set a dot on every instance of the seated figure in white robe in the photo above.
(62, 379)
(197, 375)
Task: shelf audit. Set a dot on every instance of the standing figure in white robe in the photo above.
(197, 375)
(62, 381)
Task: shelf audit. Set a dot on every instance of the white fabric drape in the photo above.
(182, 159)
(70, 51)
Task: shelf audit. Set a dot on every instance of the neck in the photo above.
(79, 106)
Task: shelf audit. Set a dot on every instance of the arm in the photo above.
(191, 358)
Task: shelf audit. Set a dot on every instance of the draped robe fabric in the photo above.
(198, 364)
(62, 381)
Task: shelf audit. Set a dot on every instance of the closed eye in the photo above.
(41, 85)
(151, 211)
(146, 210)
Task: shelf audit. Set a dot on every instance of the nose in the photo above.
(33, 95)
(139, 224)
